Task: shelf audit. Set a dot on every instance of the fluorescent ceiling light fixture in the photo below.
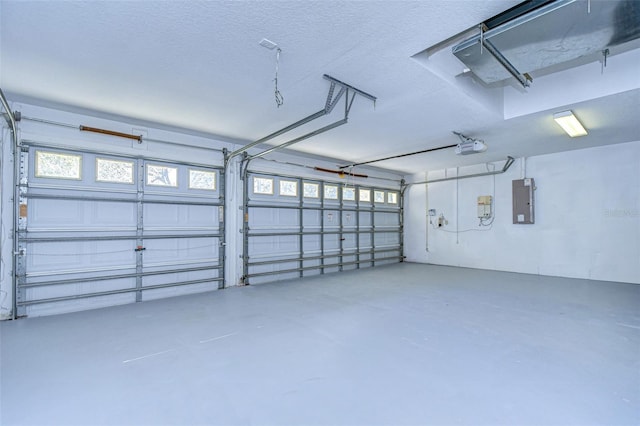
(569, 123)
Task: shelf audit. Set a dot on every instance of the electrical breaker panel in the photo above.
(523, 212)
(484, 206)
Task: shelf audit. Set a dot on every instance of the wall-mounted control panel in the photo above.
(522, 191)
(484, 206)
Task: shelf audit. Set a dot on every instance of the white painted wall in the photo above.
(587, 208)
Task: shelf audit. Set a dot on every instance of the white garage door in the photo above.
(99, 230)
(297, 227)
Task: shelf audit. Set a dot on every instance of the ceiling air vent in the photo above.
(550, 37)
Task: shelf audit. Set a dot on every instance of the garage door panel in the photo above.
(388, 239)
(273, 246)
(333, 226)
(260, 247)
(331, 243)
(311, 244)
(53, 257)
(271, 218)
(95, 226)
(107, 213)
(62, 290)
(168, 215)
(44, 213)
(180, 249)
(387, 219)
(178, 290)
(75, 305)
(364, 219)
(170, 278)
(312, 219)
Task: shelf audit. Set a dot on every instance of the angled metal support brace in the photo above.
(277, 133)
(330, 104)
(523, 79)
(299, 139)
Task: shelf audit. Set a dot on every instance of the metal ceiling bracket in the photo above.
(348, 86)
(523, 79)
(331, 103)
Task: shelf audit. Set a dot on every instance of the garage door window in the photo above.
(162, 175)
(262, 186)
(348, 194)
(115, 171)
(58, 166)
(289, 188)
(330, 192)
(311, 190)
(201, 179)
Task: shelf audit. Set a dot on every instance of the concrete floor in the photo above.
(400, 344)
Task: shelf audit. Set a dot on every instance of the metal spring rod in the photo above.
(111, 133)
(40, 144)
(144, 139)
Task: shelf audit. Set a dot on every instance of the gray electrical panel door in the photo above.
(523, 212)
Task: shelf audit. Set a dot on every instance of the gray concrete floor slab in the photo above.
(400, 344)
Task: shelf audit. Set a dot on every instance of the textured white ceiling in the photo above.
(198, 65)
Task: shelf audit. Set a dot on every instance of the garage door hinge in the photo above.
(139, 248)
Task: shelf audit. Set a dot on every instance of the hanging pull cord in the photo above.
(278, 95)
